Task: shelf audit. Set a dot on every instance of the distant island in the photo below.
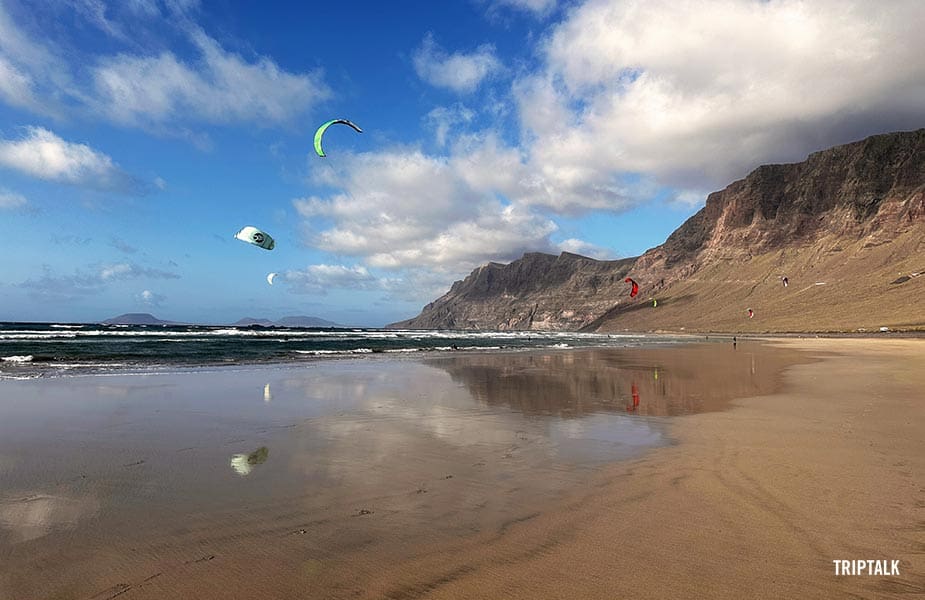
(298, 321)
(138, 319)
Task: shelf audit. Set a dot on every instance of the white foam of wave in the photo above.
(323, 352)
(17, 358)
(278, 333)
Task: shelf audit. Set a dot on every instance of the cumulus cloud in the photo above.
(576, 246)
(11, 200)
(158, 91)
(151, 298)
(44, 155)
(403, 208)
(652, 87)
(318, 279)
(458, 72)
(221, 88)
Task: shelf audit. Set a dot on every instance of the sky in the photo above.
(137, 136)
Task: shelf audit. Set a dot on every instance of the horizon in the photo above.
(135, 139)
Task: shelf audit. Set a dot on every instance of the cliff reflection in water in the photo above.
(652, 381)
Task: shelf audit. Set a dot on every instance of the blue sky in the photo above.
(136, 137)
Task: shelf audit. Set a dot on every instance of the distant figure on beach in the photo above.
(751, 313)
(786, 281)
(733, 341)
(654, 302)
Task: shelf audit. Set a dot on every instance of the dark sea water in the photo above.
(29, 350)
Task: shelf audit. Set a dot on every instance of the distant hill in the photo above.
(298, 321)
(137, 319)
(306, 322)
(251, 321)
(846, 227)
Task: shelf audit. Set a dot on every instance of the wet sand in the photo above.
(596, 473)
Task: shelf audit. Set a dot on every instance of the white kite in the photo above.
(271, 277)
(254, 236)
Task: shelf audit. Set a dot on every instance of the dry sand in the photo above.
(404, 479)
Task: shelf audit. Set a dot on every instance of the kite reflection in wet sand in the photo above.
(243, 464)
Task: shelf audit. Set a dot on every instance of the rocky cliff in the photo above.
(846, 227)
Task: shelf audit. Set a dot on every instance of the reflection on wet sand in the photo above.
(643, 381)
(31, 516)
(243, 464)
(374, 462)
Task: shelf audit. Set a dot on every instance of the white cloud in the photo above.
(123, 271)
(92, 281)
(402, 208)
(30, 74)
(655, 87)
(94, 11)
(690, 198)
(318, 279)
(10, 200)
(44, 155)
(537, 7)
(161, 91)
(458, 71)
(576, 246)
(221, 88)
(443, 119)
(15, 86)
(151, 298)
(428, 220)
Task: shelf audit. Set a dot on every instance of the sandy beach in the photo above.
(702, 471)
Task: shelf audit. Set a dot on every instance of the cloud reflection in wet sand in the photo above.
(34, 515)
(371, 458)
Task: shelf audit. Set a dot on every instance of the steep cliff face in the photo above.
(841, 225)
(870, 188)
(538, 291)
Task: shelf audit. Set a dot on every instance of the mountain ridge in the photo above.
(852, 213)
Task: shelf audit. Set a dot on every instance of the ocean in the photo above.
(30, 350)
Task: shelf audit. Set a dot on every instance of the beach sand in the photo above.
(530, 475)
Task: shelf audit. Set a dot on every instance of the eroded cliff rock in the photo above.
(841, 225)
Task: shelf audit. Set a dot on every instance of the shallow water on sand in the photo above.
(239, 482)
